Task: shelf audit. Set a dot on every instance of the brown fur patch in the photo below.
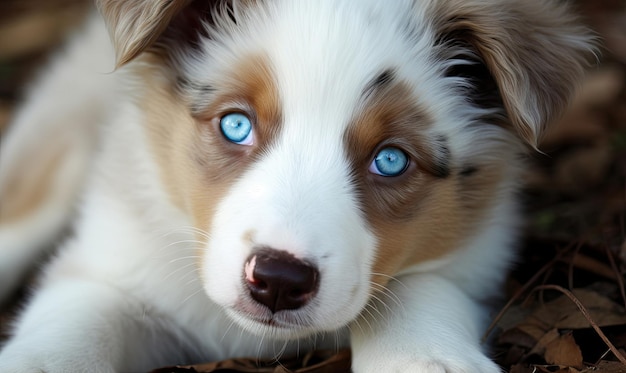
(390, 116)
(28, 189)
(419, 215)
(198, 164)
(448, 214)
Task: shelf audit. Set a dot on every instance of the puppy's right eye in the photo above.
(237, 128)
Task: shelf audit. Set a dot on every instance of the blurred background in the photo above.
(574, 246)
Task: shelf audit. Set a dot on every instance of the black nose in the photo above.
(279, 280)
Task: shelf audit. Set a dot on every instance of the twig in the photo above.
(525, 287)
(570, 270)
(585, 313)
(618, 276)
(592, 265)
(516, 297)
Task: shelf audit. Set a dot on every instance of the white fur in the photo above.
(61, 116)
(124, 292)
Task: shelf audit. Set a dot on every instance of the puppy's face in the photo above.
(325, 148)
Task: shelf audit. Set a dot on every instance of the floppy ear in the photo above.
(535, 52)
(135, 25)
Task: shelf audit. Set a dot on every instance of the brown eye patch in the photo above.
(389, 116)
(429, 210)
(248, 88)
(197, 164)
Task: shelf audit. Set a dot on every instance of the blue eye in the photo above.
(389, 162)
(237, 128)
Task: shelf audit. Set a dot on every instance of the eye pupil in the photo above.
(390, 162)
(237, 128)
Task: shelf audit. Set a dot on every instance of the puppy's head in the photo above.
(325, 147)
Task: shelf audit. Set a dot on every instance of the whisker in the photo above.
(371, 306)
(192, 280)
(278, 355)
(369, 325)
(230, 325)
(195, 242)
(391, 278)
(191, 295)
(358, 324)
(388, 293)
(258, 351)
(191, 229)
(178, 270)
(184, 258)
(195, 277)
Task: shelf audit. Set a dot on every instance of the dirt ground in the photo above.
(566, 310)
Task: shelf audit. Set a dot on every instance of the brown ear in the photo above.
(534, 50)
(134, 25)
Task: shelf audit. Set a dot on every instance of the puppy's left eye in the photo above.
(237, 128)
(389, 162)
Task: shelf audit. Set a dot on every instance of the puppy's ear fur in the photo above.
(534, 50)
(135, 25)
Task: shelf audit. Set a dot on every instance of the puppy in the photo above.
(263, 178)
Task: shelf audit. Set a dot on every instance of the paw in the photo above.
(427, 366)
(452, 365)
(458, 361)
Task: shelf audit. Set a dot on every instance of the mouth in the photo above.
(259, 318)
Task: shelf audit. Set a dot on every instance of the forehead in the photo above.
(322, 55)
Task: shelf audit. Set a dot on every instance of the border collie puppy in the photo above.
(259, 178)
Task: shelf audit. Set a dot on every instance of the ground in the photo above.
(566, 310)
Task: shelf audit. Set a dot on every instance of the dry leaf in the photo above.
(564, 351)
(609, 367)
(602, 310)
(562, 313)
(544, 342)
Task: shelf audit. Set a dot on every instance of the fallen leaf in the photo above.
(562, 313)
(602, 310)
(609, 367)
(564, 351)
(543, 342)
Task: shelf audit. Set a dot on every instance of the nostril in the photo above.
(258, 285)
(279, 280)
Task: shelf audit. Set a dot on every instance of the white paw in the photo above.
(426, 362)
(458, 365)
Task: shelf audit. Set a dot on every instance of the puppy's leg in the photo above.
(46, 152)
(426, 325)
(75, 325)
